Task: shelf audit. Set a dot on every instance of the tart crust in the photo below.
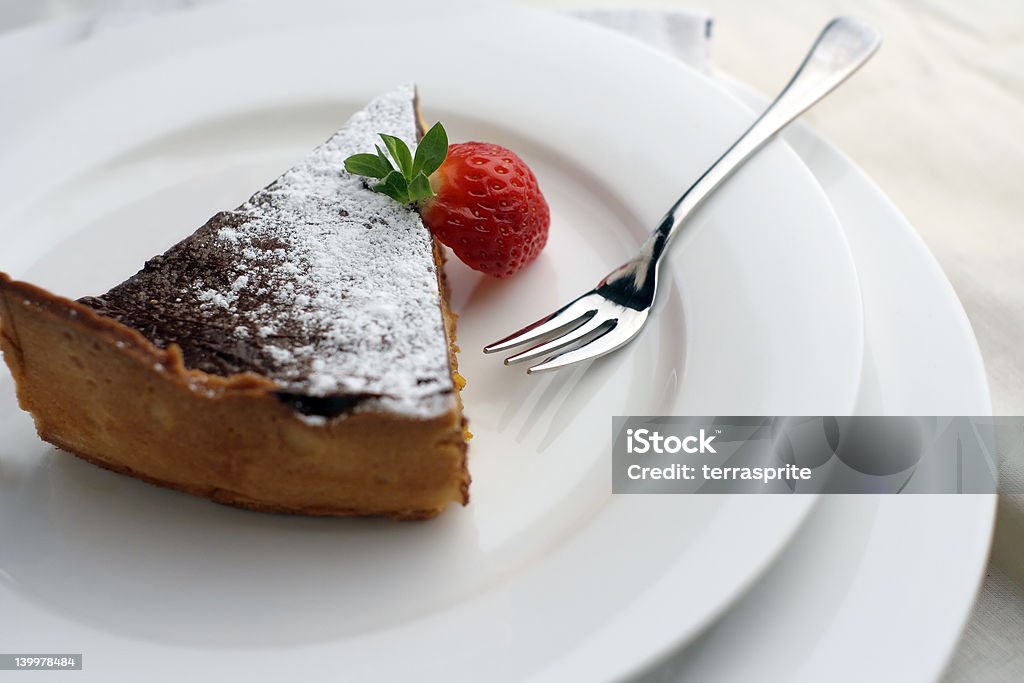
(102, 391)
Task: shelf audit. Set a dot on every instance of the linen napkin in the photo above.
(685, 34)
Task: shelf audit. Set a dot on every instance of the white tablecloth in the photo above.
(935, 119)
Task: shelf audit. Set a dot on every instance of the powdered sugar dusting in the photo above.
(330, 285)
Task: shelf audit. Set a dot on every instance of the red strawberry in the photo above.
(483, 200)
(487, 208)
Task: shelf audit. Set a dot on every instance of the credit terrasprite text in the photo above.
(643, 441)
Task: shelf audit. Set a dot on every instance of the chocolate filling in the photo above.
(316, 283)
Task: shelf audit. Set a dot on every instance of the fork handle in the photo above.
(841, 48)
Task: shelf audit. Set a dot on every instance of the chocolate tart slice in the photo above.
(295, 354)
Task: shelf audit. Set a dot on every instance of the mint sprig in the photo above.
(409, 182)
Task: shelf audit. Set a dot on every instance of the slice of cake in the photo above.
(295, 354)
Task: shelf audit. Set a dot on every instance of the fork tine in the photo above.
(604, 343)
(577, 311)
(571, 336)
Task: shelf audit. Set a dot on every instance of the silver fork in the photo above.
(612, 313)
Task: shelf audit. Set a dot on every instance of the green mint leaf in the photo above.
(432, 150)
(395, 186)
(419, 188)
(405, 179)
(367, 165)
(384, 157)
(400, 153)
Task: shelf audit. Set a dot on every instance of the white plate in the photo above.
(140, 134)
(872, 587)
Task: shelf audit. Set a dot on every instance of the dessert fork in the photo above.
(611, 314)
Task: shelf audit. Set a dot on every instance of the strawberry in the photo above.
(480, 199)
